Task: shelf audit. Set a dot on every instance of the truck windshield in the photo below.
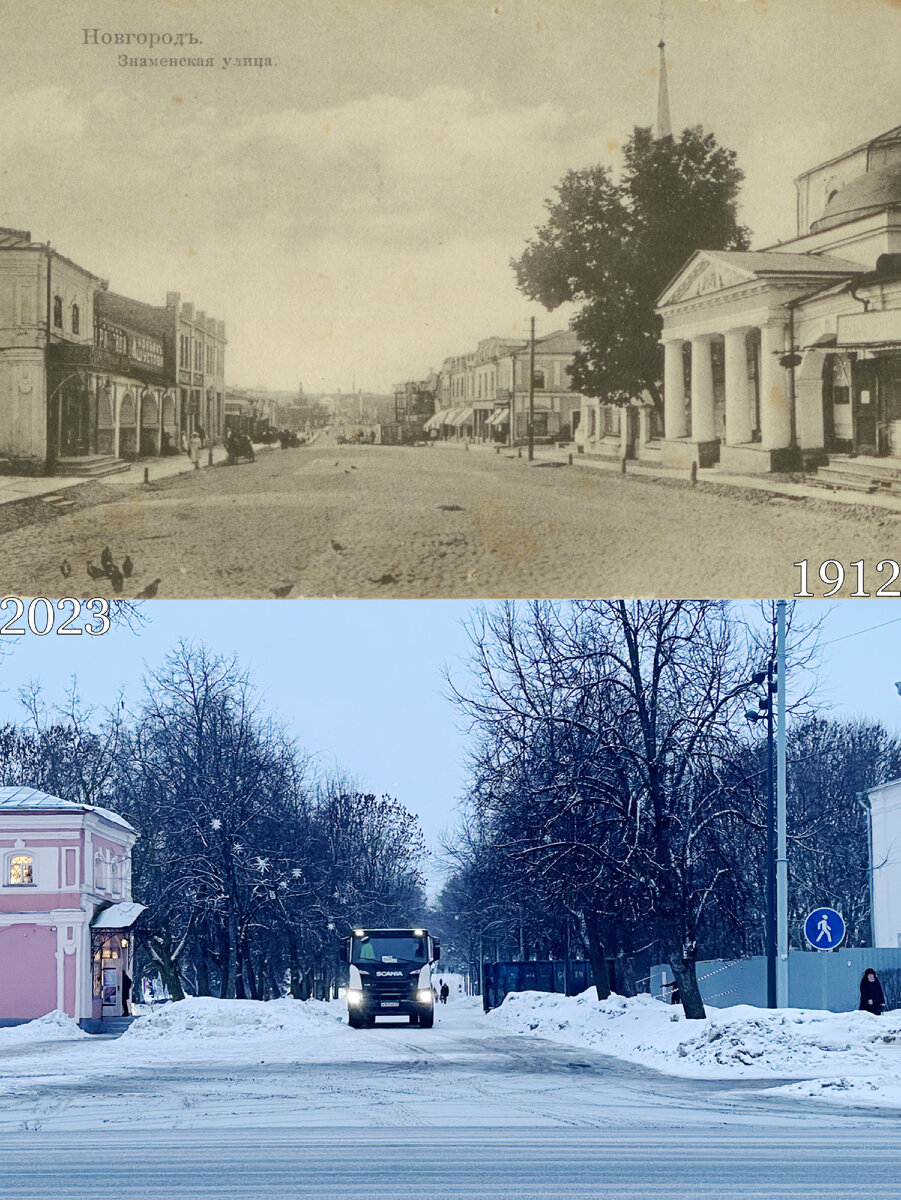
(389, 949)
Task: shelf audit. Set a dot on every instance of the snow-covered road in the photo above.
(312, 1108)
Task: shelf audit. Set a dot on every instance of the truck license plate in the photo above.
(390, 1004)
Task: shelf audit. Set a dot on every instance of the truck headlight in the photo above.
(424, 996)
(354, 995)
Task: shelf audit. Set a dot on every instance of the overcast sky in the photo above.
(351, 212)
(361, 684)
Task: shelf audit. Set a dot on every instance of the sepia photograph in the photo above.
(450, 299)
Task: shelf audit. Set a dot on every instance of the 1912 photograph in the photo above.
(424, 299)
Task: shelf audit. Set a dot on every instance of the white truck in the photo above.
(389, 974)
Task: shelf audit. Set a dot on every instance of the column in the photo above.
(775, 415)
(738, 391)
(702, 424)
(675, 425)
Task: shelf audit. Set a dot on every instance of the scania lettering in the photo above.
(389, 973)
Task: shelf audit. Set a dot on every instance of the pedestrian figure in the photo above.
(824, 930)
(675, 994)
(445, 992)
(196, 445)
(126, 992)
(872, 998)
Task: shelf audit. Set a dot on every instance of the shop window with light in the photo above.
(57, 312)
(20, 872)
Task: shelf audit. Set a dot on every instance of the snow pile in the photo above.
(53, 1026)
(206, 1017)
(733, 1042)
(790, 1040)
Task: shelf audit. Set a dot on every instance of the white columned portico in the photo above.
(674, 420)
(775, 414)
(703, 428)
(738, 392)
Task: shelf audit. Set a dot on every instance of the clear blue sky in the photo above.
(360, 683)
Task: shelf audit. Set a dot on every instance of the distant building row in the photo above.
(484, 395)
(89, 376)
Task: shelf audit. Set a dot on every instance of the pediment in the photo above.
(704, 275)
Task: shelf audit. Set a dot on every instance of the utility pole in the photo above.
(782, 850)
(532, 392)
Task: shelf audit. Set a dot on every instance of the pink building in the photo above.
(65, 908)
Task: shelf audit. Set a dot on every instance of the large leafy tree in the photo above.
(611, 246)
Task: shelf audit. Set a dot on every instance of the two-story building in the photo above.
(90, 379)
(484, 395)
(66, 912)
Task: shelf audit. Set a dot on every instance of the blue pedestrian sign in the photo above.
(824, 929)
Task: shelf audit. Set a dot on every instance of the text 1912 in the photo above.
(834, 574)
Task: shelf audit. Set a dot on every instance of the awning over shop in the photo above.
(500, 416)
(447, 415)
(463, 416)
(118, 916)
(434, 422)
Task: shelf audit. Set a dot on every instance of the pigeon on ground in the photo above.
(66, 568)
(95, 572)
(150, 590)
(106, 558)
(116, 577)
(281, 592)
(127, 566)
(337, 546)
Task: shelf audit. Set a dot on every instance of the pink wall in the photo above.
(28, 978)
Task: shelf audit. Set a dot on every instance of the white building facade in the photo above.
(778, 358)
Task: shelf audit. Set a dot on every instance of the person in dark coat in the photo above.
(872, 998)
(126, 993)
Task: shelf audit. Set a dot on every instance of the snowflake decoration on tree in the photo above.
(262, 864)
(215, 823)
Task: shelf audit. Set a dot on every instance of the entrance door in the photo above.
(866, 408)
(74, 424)
(110, 992)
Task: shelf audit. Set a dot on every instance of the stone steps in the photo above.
(115, 1025)
(860, 475)
(91, 466)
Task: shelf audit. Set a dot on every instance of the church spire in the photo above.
(664, 121)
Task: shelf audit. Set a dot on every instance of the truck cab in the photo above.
(389, 974)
